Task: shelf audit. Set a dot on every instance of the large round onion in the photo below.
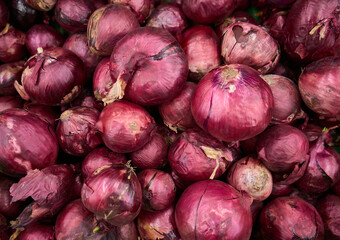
(37, 231)
(27, 142)
(141, 8)
(10, 72)
(147, 74)
(22, 16)
(125, 127)
(7, 102)
(290, 218)
(4, 13)
(113, 193)
(233, 103)
(213, 210)
(12, 44)
(7, 207)
(52, 77)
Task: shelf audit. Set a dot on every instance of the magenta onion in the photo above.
(158, 189)
(179, 182)
(319, 86)
(101, 80)
(141, 8)
(22, 16)
(248, 44)
(100, 157)
(9, 73)
(336, 188)
(12, 44)
(113, 193)
(41, 5)
(247, 103)
(37, 231)
(249, 146)
(313, 132)
(195, 155)
(7, 207)
(102, 36)
(87, 99)
(202, 47)
(147, 74)
(176, 113)
(27, 143)
(212, 209)
(208, 11)
(126, 232)
(290, 218)
(52, 77)
(76, 130)
(8, 102)
(255, 208)
(125, 127)
(46, 113)
(158, 225)
(280, 190)
(250, 175)
(274, 24)
(44, 36)
(4, 14)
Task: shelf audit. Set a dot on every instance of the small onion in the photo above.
(8, 102)
(12, 44)
(22, 16)
(7, 207)
(141, 8)
(9, 73)
(46, 113)
(42, 5)
(4, 14)
(37, 231)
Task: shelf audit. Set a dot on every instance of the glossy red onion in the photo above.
(10, 72)
(148, 67)
(8, 102)
(52, 77)
(12, 44)
(113, 193)
(247, 103)
(202, 47)
(101, 38)
(100, 157)
(42, 5)
(30, 143)
(211, 210)
(141, 8)
(7, 207)
(46, 113)
(4, 13)
(290, 218)
(37, 231)
(208, 11)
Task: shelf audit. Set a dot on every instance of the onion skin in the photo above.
(38, 232)
(113, 193)
(274, 24)
(319, 84)
(158, 189)
(87, 99)
(208, 11)
(42, 5)
(100, 157)
(12, 44)
(102, 39)
(53, 77)
(22, 16)
(147, 75)
(291, 218)
(8, 102)
(202, 47)
(212, 209)
(248, 44)
(141, 8)
(7, 207)
(280, 190)
(240, 117)
(102, 79)
(4, 14)
(10, 72)
(31, 142)
(46, 113)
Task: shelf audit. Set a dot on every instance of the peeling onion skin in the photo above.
(102, 39)
(12, 42)
(141, 8)
(248, 44)
(8, 102)
(102, 81)
(37, 231)
(4, 13)
(212, 209)
(30, 143)
(290, 218)
(319, 87)
(247, 107)
(8, 208)
(42, 5)
(9, 72)
(151, 64)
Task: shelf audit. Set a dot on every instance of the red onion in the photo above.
(211, 210)
(312, 131)
(7, 207)
(336, 188)
(37, 231)
(41, 5)
(3, 228)
(280, 190)
(27, 143)
(249, 146)
(152, 155)
(208, 11)
(251, 45)
(12, 44)
(10, 72)
(147, 74)
(274, 24)
(158, 189)
(290, 218)
(46, 113)
(247, 103)
(250, 175)
(242, 4)
(4, 14)
(329, 209)
(141, 8)
(76, 130)
(255, 208)
(102, 79)
(202, 47)
(170, 17)
(52, 77)
(44, 36)
(125, 127)
(319, 86)
(100, 157)
(102, 36)
(176, 113)
(195, 156)
(126, 232)
(180, 183)
(87, 99)
(113, 193)
(8, 102)
(158, 225)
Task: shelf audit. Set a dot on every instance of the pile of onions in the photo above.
(140, 8)
(12, 44)
(8, 102)
(9, 73)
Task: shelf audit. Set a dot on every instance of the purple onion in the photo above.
(46, 113)
(42, 5)
(8, 102)
(274, 24)
(4, 14)
(102, 79)
(141, 8)
(280, 190)
(87, 99)
(9, 73)
(7, 207)
(3, 228)
(22, 16)
(37, 231)
(249, 146)
(12, 44)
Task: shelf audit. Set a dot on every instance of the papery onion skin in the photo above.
(4, 14)
(8, 102)
(158, 189)
(12, 44)
(290, 218)
(37, 232)
(30, 143)
(248, 103)
(212, 209)
(8, 208)
(100, 157)
(46, 113)
(10, 72)
(101, 80)
(274, 24)
(113, 193)
(248, 44)
(102, 39)
(141, 8)
(42, 5)
(202, 47)
(151, 75)
(319, 86)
